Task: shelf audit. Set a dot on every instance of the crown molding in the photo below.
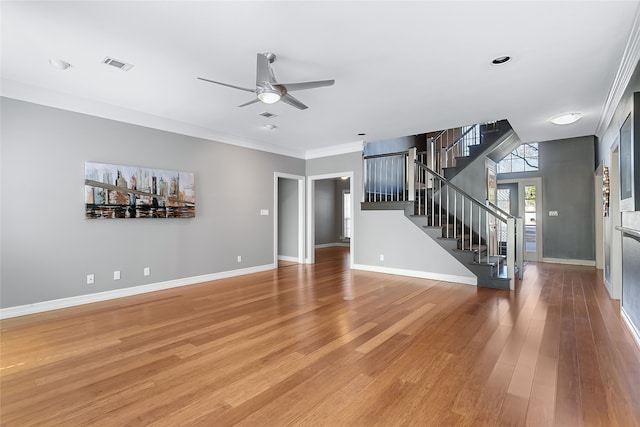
(334, 150)
(49, 98)
(628, 64)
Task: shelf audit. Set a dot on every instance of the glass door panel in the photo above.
(530, 222)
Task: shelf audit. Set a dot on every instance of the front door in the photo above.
(530, 211)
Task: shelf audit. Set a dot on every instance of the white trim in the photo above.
(628, 64)
(50, 98)
(334, 150)
(473, 281)
(38, 307)
(288, 258)
(607, 286)
(332, 245)
(301, 214)
(632, 327)
(583, 262)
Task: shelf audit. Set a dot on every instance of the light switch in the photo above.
(553, 213)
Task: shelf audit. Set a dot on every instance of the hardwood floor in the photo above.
(323, 345)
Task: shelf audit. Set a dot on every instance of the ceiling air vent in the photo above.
(268, 115)
(118, 64)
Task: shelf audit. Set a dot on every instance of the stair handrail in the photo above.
(500, 210)
(514, 225)
(461, 191)
(461, 137)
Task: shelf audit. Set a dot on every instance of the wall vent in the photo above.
(118, 64)
(268, 115)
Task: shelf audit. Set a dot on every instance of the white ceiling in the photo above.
(401, 68)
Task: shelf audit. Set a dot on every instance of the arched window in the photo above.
(522, 159)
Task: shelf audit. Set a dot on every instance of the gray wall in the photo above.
(48, 247)
(405, 248)
(566, 168)
(629, 280)
(287, 217)
(328, 210)
(325, 212)
(567, 187)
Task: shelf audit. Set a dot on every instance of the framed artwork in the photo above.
(118, 191)
(630, 159)
(492, 186)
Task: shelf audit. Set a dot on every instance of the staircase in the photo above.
(487, 240)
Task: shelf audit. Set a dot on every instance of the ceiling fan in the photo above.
(268, 90)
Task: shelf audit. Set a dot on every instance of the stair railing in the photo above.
(462, 217)
(403, 177)
(449, 144)
(386, 178)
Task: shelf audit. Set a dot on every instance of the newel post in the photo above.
(411, 173)
(511, 252)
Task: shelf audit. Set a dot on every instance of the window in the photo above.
(346, 214)
(522, 159)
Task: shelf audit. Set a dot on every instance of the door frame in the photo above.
(301, 193)
(537, 181)
(311, 238)
(615, 219)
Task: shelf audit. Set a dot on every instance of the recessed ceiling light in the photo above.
(59, 64)
(565, 118)
(501, 60)
(270, 126)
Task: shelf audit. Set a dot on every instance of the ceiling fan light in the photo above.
(565, 119)
(269, 97)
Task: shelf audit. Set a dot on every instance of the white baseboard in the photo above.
(632, 328)
(421, 274)
(583, 262)
(331, 245)
(38, 307)
(287, 258)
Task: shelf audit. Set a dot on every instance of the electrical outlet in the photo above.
(264, 212)
(381, 257)
(147, 271)
(116, 275)
(239, 258)
(91, 279)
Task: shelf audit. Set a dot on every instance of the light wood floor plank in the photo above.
(320, 345)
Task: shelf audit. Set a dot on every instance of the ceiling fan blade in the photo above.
(288, 99)
(307, 85)
(264, 73)
(253, 101)
(228, 85)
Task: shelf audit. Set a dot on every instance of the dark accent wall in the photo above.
(566, 168)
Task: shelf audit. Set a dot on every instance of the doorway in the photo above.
(330, 208)
(288, 217)
(524, 197)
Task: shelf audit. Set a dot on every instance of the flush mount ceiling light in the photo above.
(565, 118)
(59, 64)
(501, 60)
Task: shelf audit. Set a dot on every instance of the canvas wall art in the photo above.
(117, 191)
